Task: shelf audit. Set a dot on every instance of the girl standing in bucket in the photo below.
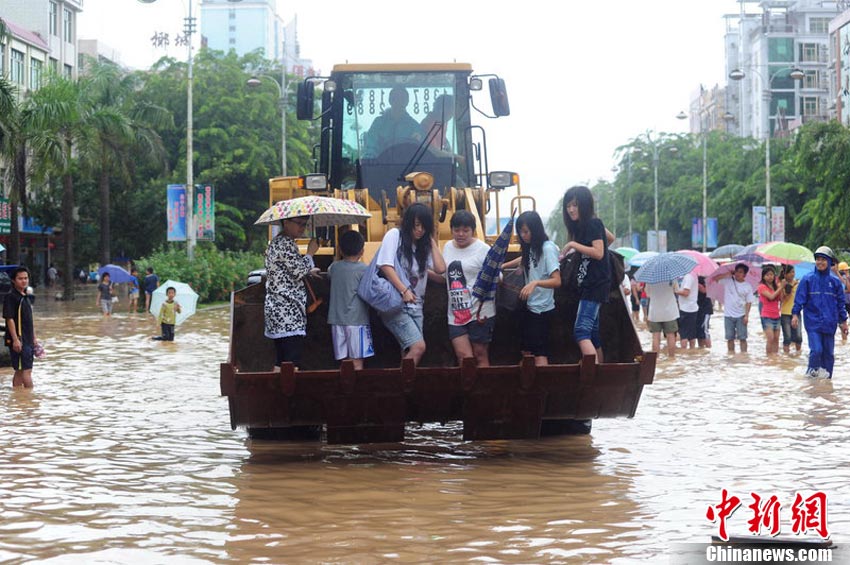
(539, 261)
(414, 249)
(589, 237)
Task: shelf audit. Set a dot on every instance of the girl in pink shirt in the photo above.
(769, 296)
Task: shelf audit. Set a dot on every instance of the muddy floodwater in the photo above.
(123, 453)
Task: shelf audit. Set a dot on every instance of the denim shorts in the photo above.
(478, 332)
(735, 328)
(587, 322)
(770, 323)
(405, 325)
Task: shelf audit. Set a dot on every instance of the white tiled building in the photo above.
(766, 40)
(23, 57)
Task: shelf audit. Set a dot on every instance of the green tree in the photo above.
(124, 131)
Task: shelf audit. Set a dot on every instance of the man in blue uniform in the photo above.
(821, 296)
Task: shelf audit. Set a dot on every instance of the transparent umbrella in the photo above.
(185, 297)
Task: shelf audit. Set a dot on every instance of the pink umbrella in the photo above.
(705, 264)
(715, 288)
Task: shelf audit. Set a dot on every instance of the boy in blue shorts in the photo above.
(348, 315)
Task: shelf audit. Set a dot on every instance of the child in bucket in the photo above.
(168, 315)
(348, 315)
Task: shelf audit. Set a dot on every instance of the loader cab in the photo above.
(381, 122)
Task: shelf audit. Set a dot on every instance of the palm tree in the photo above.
(13, 149)
(60, 118)
(124, 132)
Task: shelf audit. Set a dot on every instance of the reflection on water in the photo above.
(123, 453)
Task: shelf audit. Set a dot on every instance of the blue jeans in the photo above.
(789, 334)
(821, 350)
(587, 322)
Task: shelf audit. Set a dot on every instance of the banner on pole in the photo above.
(176, 212)
(656, 241)
(777, 223)
(759, 224)
(697, 233)
(5, 216)
(204, 212)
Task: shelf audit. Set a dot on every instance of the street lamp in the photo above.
(191, 235)
(702, 133)
(614, 170)
(254, 82)
(795, 74)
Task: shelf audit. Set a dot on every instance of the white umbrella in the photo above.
(185, 297)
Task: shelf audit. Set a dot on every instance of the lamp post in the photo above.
(795, 74)
(703, 135)
(254, 82)
(655, 158)
(614, 170)
(189, 29)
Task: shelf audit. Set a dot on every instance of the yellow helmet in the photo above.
(842, 266)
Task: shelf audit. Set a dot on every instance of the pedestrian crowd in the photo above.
(818, 302)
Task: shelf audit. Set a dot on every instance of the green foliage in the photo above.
(810, 177)
(213, 274)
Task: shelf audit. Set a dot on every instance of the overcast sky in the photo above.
(582, 77)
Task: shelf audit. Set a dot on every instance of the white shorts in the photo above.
(353, 342)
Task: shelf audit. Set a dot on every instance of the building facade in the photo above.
(55, 22)
(839, 49)
(765, 41)
(23, 57)
(707, 110)
(248, 25)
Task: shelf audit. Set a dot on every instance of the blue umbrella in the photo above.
(488, 277)
(640, 258)
(665, 268)
(116, 274)
(726, 251)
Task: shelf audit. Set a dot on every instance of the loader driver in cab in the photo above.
(394, 126)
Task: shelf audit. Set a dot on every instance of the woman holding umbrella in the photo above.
(286, 297)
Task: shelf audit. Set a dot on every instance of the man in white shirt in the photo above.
(738, 297)
(663, 314)
(688, 311)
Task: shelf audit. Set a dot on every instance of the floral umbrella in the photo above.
(323, 211)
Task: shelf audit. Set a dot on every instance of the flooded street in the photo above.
(123, 453)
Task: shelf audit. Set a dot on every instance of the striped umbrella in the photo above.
(488, 277)
(665, 267)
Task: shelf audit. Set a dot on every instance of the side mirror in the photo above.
(499, 97)
(304, 103)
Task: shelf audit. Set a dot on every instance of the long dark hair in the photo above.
(416, 211)
(531, 252)
(764, 271)
(584, 200)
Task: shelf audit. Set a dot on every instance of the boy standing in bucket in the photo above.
(168, 315)
(821, 296)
